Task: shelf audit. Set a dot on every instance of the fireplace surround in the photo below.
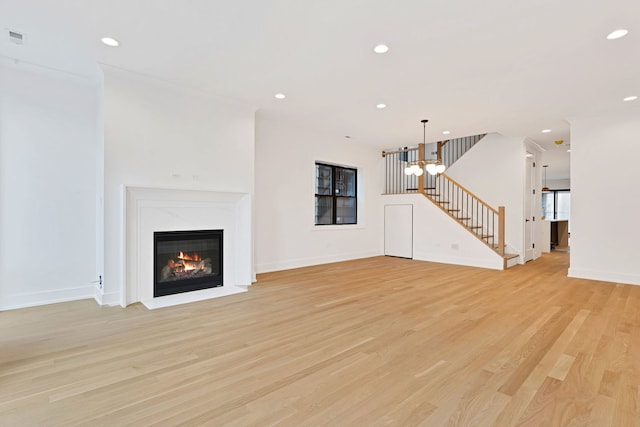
(148, 210)
(186, 261)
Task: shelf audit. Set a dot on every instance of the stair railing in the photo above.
(446, 152)
(477, 216)
(397, 182)
(452, 149)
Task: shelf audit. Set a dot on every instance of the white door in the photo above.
(529, 209)
(398, 230)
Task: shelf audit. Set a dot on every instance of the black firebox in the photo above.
(186, 261)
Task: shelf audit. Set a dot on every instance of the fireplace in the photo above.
(186, 261)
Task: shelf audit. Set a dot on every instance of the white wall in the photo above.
(161, 136)
(559, 184)
(286, 236)
(48, 155)
(604, 197)
(439, 238)
(499, 183)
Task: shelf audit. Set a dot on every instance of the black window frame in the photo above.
(555, 201)
(334, 197)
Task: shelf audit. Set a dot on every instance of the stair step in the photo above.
(485, 236)
(442, 202)
(453, 210)
(509, 256)
(430, 188)
(433, 195)
(463, 218)
(474, 226)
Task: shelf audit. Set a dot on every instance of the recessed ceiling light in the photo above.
(280, 95)
(446, 132)
(381, 48)
(617, 34)
(546, 130)
(529, 155)
(381, 106)
(569, 150)
(110, 41)
(630, 98)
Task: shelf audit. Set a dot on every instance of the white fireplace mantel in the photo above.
(147, 210)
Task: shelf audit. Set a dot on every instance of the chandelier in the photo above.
(417, 167)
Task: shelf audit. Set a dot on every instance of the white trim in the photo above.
(604, 276)
(534, 144)
(338, 227)
(469, 262)
(32, 299)
(110, 299)
(306, 262)
(123, 248)
(19, 63)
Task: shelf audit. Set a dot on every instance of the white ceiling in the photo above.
(468, 66)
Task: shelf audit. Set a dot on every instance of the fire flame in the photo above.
(188, 262)
(194, 257)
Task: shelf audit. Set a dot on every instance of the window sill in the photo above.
(338, 227)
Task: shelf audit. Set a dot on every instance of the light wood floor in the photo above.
(381, 341)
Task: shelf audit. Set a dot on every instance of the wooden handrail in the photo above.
(470, 193)
(501, 221)
(405, 150)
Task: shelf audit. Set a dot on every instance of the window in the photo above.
(336, 201)
(556, 204)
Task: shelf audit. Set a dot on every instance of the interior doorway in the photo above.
(529, 208)
(398, 230)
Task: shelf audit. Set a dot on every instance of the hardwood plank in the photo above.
(378, 341)
(562, 366)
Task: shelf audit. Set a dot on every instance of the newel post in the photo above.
(421, 177)
(501, 220)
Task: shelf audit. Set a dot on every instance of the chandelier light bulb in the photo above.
(431, 168)
(419, 172)
(408, 170)
(440, 168)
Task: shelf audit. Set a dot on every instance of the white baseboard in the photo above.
(604, 276)
(32, 299)
(306, 262)
(514, 261)
(109, 299)
(469, 262)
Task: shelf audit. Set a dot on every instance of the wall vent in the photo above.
(15, 37)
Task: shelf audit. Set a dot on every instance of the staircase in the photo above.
(483, 221)
(476, 216)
